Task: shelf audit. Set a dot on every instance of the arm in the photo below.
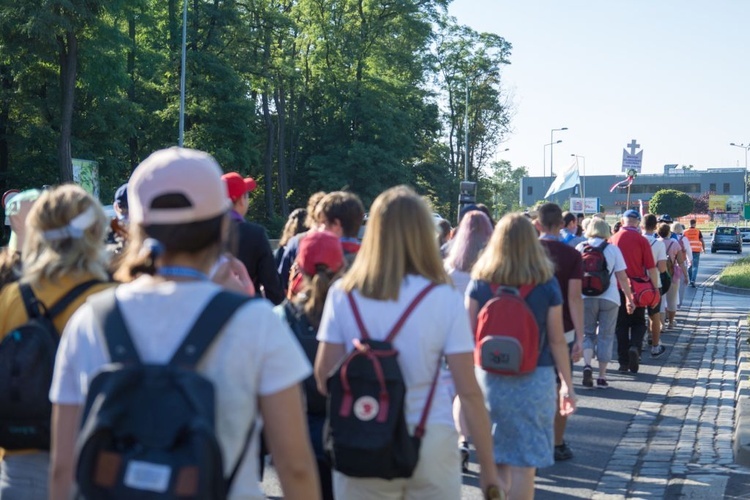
(65, 420)
(472, 306)
(326, 358)
(267, 275)
(622, 279)
(289, 443)
(559, 349)
(477, 419)
(654, 275)
(662, 266)
(575, 306)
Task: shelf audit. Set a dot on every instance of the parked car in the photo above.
(727, 238)
(745, 232)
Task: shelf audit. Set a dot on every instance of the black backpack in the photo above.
(306, 336)
(148, 430)
(27, 360)
(596, 275)
(367, 434)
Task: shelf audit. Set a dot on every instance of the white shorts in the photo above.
(438, 473)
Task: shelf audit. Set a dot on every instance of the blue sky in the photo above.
(672, 74)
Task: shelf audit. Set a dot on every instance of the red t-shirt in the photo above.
(568, 266)
(636, 251)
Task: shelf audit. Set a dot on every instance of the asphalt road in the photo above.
(599, 423)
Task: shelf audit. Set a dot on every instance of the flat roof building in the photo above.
(719, 181)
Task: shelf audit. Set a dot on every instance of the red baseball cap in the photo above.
(320, 248)
(237, 186)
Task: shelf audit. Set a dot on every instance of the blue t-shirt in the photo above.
(540, 299)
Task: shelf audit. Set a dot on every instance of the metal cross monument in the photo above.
(632, 160)
(633, 146)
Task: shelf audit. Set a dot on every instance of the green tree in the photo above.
(500, 189)
(672, 202)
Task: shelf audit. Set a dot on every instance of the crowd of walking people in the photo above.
(170, 350)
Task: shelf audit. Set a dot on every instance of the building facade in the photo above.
(729, 182)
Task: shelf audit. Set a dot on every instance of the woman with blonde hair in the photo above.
(397, 262)
(522, 407)
(63, 261)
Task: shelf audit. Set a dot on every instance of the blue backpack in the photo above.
(148, 431)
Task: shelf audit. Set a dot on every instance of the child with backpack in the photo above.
(515, 274)
(321, 261)
(603, 269)
(386, 327)
(168, 372)
(62, 262)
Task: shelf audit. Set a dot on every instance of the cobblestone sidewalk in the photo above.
(679, 443)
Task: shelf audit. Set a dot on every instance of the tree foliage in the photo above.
(304, 95)
(672, 202)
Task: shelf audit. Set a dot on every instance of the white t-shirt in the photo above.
(255, 355)
(615, 263)
(439, 325)
(460, 279)
(658, 249)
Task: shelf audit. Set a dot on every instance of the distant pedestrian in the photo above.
(678, 229)
(398, 260)
(697, 247)
(321, 261)
(600, 312)
(569, 272)
(471, 238)
(676, 258)
(295, 224)
(631, 325)
(292, 245)
(569, 232)
(249, 241)
(522, 407)
(659, 252)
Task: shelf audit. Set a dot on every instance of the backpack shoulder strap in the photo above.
(414, 303)
(70, 297)
(107, 313)
(215, 315)
(30, 302)
(357, 316)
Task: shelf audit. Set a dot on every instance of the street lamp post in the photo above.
(583, 183)
(745, 147)
(181, 138)
(552, 143)
(544, 158)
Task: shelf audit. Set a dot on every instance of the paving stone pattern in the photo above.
(681, 436)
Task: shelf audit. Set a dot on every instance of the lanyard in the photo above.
(182, 272)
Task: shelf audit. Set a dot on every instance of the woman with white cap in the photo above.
(177, 197)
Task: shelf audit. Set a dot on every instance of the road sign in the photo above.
(8, 195)
(630, 159)
(747, 211)
(584, 205)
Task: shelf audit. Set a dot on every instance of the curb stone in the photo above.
(741, 441)
(719, 287)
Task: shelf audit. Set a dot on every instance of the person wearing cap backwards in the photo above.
(249, 242)
(321, 262)
(178, 198)
(631, 322)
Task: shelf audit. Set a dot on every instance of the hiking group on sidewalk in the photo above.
(165, 353)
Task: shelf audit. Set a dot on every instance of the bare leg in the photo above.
(655, 329)
(522, 483)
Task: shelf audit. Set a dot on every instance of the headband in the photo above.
(75, 227)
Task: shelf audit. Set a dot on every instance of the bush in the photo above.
(672, 202)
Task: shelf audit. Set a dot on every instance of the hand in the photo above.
(232, 275)
(491, 485)
(577, 351)
(567, 401)
(630, 305)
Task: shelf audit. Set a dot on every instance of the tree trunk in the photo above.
(6, 83)
(68, 47)
(280, 100)
(268, 156)
(133, 140)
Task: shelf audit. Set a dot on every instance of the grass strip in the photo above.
(737, 274)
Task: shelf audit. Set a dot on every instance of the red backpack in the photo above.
(507, 335)
(596, 276)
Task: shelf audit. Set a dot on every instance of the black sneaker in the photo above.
(464, 450)
(563, 452)
(588, 379)
(657, 351)
(633, 359)
(623, 368)
(601, 383)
